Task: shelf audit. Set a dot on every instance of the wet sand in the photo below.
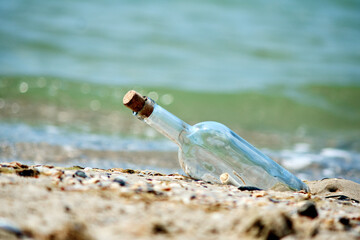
(44, 153)
(47, 202)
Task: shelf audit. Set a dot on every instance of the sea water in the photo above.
(212, 45)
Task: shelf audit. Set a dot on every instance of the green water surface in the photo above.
(270, 111)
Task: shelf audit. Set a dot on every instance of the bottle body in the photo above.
(208, 150)
(212, 152)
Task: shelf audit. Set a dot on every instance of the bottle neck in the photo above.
(166, 123)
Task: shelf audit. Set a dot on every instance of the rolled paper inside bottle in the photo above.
(142, 105)
(224, 178)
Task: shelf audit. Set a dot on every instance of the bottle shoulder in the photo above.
(206, 131)
(210, 126)
(214, 134)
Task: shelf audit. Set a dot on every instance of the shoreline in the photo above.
(97, 108)
(109, 153)
(47, 202)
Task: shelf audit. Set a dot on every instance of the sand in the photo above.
(47, 202)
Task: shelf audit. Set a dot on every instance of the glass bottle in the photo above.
(212, 152)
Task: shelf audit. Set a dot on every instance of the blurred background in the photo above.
(283, 75)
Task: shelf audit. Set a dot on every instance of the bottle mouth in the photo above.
(141, 105)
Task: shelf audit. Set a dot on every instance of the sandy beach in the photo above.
(48, 202)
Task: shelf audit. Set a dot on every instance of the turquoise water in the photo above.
(202, 45)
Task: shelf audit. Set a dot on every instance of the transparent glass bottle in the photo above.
(212, 152)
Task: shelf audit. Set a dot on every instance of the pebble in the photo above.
(122, 181)
(28, 172)
(10, 228)
(308, 209)
(344, 221)
(342, 198)
(81, 174)
(249, 188)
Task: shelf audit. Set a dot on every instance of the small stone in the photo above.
(80, 174)
(28, 173)
(159, 228)
(342, 198)
(122, 181)
(130, 171)
(344, 221)
(67, 209)
(308, 209)
(11, 230)
(249, 188)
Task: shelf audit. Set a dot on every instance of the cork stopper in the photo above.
(138, 103)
